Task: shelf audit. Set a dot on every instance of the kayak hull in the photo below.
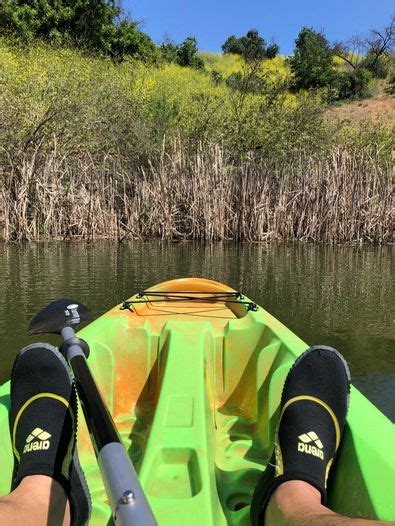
(194, 387)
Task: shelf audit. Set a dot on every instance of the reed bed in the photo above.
(345, 197)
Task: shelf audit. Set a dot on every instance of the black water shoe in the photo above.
(313, 411)
(43, 424)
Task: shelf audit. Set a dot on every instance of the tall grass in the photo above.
(343, 198)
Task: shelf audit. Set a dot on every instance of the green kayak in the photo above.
(192, 372)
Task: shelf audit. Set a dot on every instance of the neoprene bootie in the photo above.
(313, 411)
(43, 424)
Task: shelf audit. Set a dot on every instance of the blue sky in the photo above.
(212, 21)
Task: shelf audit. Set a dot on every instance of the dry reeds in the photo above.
(345, 197)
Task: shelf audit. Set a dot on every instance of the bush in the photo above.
(184, 54)
(188, 54)
(379, 67)
(251, 46)
(128, 40)
(254, 84)
(354, 84)
(216, 77)
(132, 140)
(391, 85)
(93, 105)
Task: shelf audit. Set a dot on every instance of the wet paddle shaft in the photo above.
(127, 500)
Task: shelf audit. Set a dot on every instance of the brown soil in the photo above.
(380, 108)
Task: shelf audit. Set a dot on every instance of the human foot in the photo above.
(313, 410)
(43, 423)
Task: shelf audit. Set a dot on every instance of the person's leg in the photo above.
(38, 500)
(314, 402)
(296, 503)
(49, 487)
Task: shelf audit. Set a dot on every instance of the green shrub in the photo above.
(379, 67)
(83, 104)
(354, 84)
(184, 54)
(391, 85)
(250, 46)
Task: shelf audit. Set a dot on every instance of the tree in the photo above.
(184, 54)
(312, 63)
(372, 53)
(272, 51)
(250, 46)
(169, 51)
(127, 39)
(96, 25)
(188, 54)
(233, 45)
(365, 58)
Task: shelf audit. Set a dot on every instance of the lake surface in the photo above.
(339, 296)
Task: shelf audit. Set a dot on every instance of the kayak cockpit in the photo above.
(193, 382)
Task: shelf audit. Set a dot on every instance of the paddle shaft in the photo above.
(128, 502)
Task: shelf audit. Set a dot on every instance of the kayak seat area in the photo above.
(197, 410)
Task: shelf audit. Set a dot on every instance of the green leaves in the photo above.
(127, 39)
(91, 24)
(354, 84)
(184, 54)
(250, 46)
(312, 63)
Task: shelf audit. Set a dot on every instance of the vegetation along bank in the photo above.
(105, 135)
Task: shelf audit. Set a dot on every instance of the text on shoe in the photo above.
(38, 439)
(311, 444)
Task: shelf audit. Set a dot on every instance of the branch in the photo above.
(339, 51)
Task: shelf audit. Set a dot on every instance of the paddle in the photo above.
(127, 500)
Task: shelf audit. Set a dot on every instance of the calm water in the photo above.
(339, 296)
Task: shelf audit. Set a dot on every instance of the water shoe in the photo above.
(313, 411)
(43, 424)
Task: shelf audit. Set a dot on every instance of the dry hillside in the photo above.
(379, 108)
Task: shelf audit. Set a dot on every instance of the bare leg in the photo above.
(37, 501)
(296, 503)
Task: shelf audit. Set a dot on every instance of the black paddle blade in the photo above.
(57, 315)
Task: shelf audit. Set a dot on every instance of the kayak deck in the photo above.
(194, 386)
(185, 409)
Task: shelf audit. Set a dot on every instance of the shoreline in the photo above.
(273, 242)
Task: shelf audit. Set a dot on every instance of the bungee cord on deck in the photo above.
(180, 296)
